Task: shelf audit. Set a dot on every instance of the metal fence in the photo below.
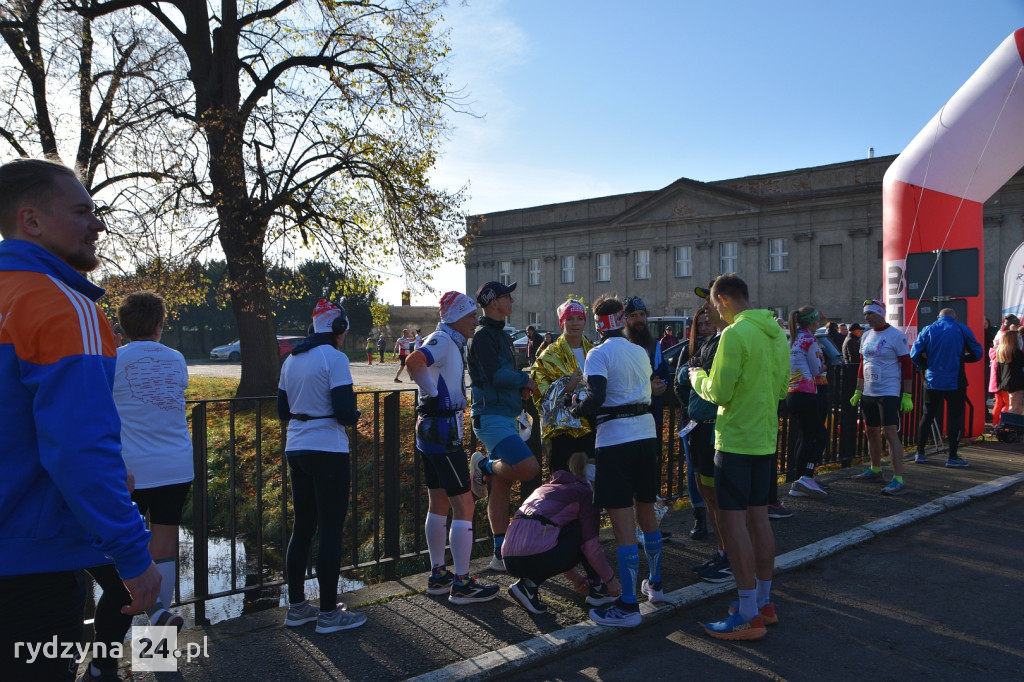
(241, 489)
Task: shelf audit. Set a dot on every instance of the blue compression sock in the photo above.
(629, 564)
(652, 548)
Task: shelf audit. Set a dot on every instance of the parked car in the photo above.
(232, 352)
(519, 343)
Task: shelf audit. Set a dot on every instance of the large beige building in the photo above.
(811, 236)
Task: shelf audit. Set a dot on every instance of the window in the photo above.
(505, 272)
(642, 264)
(533, 318)
(780, 313)
(568, 269)
(778, 257)
(684, 261)
(534, 272)
(604, 267)
(727, 257)
(830, 259)
(681, 312)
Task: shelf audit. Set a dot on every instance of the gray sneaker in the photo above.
(339, 619)
(477, 477)
(300, 614)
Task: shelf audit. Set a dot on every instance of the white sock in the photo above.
(461, 541)
(748, 604)
(764, 592)
(167, 569)
(434, 529)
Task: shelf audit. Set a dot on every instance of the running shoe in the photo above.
(734, 627)
(920, 458)
(104, 676)
(809, 487)
(170, 619)
(655, 595)
(598, 595)
(339, 619)
(779, 511)
(715, 558)
(867, 474)
(956, 463)
(768, 615)
(497, 563)
(616, 616)
(471, 592)
(300, 614)
(894, 488)
(793, 492)
(721, 573)
(530, 600)
(478, 478)
(440, 583)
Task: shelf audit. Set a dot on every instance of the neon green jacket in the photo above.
(749, 377)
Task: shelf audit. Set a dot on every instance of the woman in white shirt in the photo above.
(316, 400)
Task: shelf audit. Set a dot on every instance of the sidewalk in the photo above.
(410, 633)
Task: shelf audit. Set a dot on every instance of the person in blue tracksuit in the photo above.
(64, 501)
(941, 349)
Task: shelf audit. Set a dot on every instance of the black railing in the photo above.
(241, 491)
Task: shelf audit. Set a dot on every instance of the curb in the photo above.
(543, 648)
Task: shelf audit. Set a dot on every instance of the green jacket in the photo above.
(749, 377)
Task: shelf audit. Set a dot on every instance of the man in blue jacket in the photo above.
(64, 502)
(942, 348)
(498, 390)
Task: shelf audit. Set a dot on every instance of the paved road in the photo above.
(935, 601)
(375, 376)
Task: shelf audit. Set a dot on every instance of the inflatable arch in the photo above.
(932, 198)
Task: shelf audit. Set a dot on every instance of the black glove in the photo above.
(429, 405)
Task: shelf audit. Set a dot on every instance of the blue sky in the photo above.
(581, 99)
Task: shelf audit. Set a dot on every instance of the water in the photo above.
(233, 606)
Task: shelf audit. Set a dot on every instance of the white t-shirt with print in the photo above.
(149, 389)
(308, 378)
(627, 368)
(882, 350)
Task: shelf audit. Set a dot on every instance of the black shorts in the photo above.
(742, 481)
(625, 472)
(401, 358)
(882, 410)
(163, 503)
(702, 449)
(449, 471)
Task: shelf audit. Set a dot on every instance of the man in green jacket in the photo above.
(749, 377)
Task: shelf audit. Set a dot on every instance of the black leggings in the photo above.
(36, 607)
(563, 447)
(804, 407)
(320, 492)
(563, 556)
(110, 625)
(933, 410)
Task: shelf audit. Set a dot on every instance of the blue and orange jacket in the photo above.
(64, 504)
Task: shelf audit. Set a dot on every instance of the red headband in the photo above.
(609, 323)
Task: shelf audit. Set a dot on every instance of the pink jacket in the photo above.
(563, 499)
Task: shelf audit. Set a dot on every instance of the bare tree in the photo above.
(101, 96)
(321, 121)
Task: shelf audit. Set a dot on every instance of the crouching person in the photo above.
(556, 529)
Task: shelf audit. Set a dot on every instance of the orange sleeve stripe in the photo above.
(46, 320)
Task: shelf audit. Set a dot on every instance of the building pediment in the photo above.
(686, 199)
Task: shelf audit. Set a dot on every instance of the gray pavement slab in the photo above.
(410, 633)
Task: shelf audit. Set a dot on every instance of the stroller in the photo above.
(1010, 429)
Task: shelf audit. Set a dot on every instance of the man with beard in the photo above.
(638, 333)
